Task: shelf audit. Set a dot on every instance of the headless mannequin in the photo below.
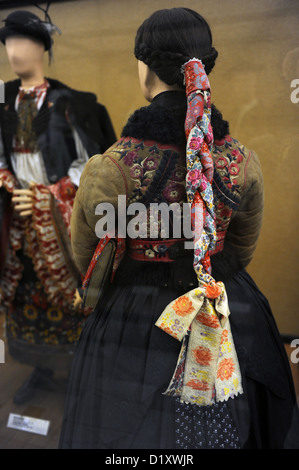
(26, 58)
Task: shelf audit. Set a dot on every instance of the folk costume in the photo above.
(183, 351)
(48, 133)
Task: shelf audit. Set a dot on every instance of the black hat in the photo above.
(27, 24)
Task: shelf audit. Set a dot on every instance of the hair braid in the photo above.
(209, 60)
(165, 47)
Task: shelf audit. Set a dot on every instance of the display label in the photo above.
(28, 424)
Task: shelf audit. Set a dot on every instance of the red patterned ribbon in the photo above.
(207, 367)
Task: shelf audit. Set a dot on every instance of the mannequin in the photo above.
(48, 131)
(26, 58)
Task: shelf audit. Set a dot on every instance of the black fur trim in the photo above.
(164, 120)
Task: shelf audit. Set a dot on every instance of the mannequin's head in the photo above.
(27, 24)
(26, 38)
(171, 37)
(151, 85)
(25, 55)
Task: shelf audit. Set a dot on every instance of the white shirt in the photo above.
(29, 167)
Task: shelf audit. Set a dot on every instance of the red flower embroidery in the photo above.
(198, 385)
(136, 171)
(179, 174)
(221, 162)
(195, 143)
(202, 355)
(213, 290)
(234, 169)
(203, 185)
(208, 320)
(237, 154)
(194, 175)
(150, 163)
(129, 158)
(224, 336)
(174, 192)
(183, 306)
(225, 369)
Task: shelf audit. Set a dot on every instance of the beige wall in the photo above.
(258, 44)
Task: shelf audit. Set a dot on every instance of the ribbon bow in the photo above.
(207, 367)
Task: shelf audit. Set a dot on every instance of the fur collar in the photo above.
(163, 120)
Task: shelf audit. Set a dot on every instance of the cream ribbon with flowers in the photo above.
(207, 368)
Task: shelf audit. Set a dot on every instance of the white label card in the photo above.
(25, 423)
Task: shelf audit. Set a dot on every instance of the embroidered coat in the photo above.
(147, 165)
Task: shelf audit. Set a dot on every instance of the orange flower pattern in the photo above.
(225, 369)
(183, 306)
(224, 337)
(202, 355)
(207, 369)
(208, 320)
(198, 385)
(213, 290)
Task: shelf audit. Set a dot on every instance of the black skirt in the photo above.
(123, 364)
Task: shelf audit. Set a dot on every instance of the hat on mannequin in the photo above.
(27, 24)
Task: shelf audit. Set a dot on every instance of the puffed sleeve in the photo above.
(244, 228)
(101, 182)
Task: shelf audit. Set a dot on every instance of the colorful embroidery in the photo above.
(207, 368)
(52, 264)
(200, 376)
(154, 169)
(155, 250)
(40, 311)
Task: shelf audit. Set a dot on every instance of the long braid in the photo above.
(199, 318)
(200, 168)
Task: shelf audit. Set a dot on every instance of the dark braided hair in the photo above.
(171, 37)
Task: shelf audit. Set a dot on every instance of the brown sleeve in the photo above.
(245, 226)
(101, 182)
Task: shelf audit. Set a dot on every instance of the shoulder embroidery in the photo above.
(228, 177)
(156, 170)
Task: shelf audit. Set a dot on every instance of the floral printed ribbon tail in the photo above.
(207, 369)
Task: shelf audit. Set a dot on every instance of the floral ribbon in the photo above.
(207, 369)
